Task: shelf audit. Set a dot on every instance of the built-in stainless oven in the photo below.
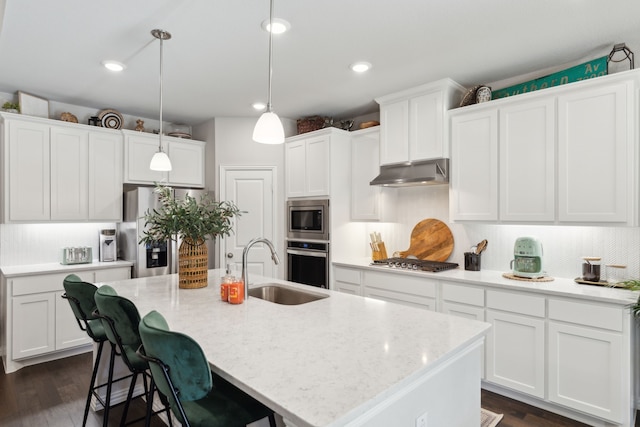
(308, 219)
(308, 263)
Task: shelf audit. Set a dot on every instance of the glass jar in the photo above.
(591, 269)
(236, 291)
(615, 273)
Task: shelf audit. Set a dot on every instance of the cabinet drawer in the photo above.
(45, 282)
(471, 295)
(516, 302)
(400, 283)
(347, 275)
(599, 316)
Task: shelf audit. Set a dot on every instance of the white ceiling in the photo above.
(216, 64)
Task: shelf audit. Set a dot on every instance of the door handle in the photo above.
(230, 255)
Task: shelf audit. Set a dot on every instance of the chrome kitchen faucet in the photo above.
(245, 275)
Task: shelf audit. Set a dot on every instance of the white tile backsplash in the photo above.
(563, 246)
(23, 244)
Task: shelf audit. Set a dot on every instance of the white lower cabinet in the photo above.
(38, 321)
(347, 280)
(516, 342)
(412, 291)
(589, 358)
(574, 356)
(34, 324)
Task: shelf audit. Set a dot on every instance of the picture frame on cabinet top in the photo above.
(31, 105)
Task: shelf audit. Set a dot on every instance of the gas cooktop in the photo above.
(415, 264)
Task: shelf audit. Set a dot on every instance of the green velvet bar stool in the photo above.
(181, 372)
(79, 294)
(120, 319)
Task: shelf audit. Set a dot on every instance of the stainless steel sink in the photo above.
(285, 295)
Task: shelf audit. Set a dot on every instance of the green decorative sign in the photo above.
(588, 70)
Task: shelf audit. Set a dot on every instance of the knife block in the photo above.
(378, 251)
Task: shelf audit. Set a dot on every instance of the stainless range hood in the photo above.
(428, 172)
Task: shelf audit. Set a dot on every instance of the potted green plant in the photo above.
(11, 107)
(193, 221)
(633, 285)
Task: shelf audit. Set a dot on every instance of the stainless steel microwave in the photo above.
(308, 219)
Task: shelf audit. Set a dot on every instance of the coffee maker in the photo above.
(108, 246)
(527, 254)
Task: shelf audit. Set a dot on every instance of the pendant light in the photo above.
(269, 129)
(160, 161)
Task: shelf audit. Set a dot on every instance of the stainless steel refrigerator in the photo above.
(150, 259)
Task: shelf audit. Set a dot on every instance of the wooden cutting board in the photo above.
(431, 239)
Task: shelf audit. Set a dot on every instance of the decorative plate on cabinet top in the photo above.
(110, 119)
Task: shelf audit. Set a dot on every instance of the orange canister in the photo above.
(236, 291)
(224, 284)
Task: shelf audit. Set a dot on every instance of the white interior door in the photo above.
(252, 190)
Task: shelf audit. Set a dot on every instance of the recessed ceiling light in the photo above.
(113, 65)
(259, 106)
(360, 67)
(279, 25)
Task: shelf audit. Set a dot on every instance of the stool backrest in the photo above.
(120, 319)
(80, 295)
(179, 356)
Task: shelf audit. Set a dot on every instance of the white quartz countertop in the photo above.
(318, 364)
(557, 287)
(55, 267)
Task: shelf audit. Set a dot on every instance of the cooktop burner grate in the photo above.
(416, 264)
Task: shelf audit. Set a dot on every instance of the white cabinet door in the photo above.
(67, 331)
(295, 162)
(307, 163)
(139, 149)
(527, 161)
(317, 166)
(33, 324)
(426, 119)
(105, 176)
(187, 162)
(394, 132)
(595, 157)
(515, 352)
(27, 186)
(69, 174)
(474, 163)
(585, 370)
(365, 161)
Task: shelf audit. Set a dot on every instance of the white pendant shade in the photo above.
(160, 162)
(269, 129)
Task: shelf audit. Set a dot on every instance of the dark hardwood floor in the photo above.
(53, 395)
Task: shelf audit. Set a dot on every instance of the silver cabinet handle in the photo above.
(230, 255)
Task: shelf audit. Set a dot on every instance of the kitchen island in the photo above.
(339, 361)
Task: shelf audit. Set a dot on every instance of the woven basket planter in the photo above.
(192, 264)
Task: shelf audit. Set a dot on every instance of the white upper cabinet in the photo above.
(105, 176)
(596, 150)
(474, 166)
(413, 122)
(26, 185)
(187, 160)
(60, 172)
(369, 202)
(527, 161)
(566, 155)
(69, 173)
(307, 162)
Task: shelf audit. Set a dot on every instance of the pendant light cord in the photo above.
(160, 139)
(270, 52)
